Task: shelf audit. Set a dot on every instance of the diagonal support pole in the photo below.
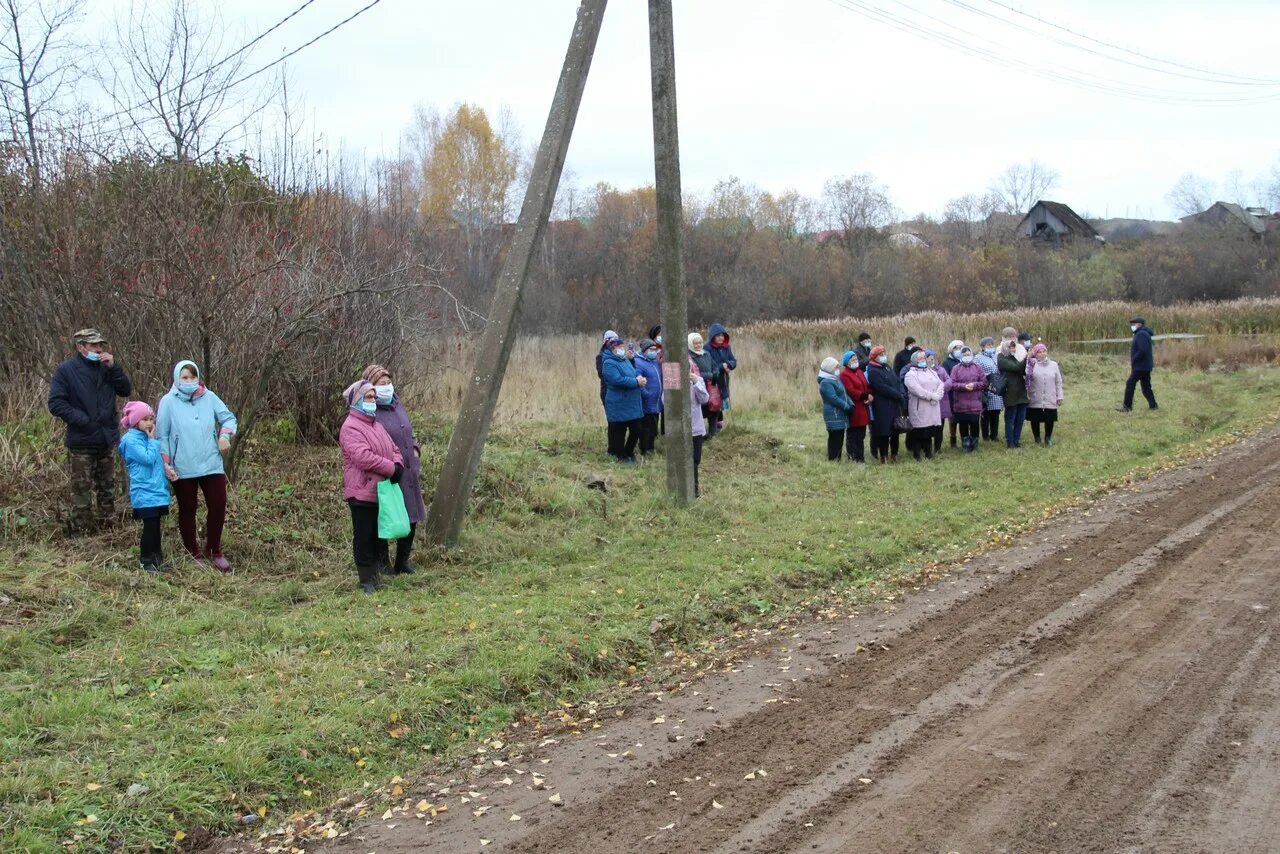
(448, 508)
(666, 166)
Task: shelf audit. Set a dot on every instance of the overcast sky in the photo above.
(788, 93)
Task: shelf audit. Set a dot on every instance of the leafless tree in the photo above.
(1022, 185)
(858, 205)
(1191, 194)
(175, 83)
(37, 64)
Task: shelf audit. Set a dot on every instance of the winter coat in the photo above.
(707, 365)
(697, 397)
(942, 374)
(83, 394)
(723, 357)
(967, 402)
(836, 405)
(651, 394)
(856, 386)
(604, 351)
(148, 486)
(949, 363)
(622, 399)
(903, 359)
(188, 427)
(395, 420)
(368, 456)
(925, 406)
(890, 399)
(990, 400)
(1044, 385)
(1015, 388)
(1142, 355)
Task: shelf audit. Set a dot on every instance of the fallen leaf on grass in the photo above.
(92, 787)
(424, 805)
(555, 799)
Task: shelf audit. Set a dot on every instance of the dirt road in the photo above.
(1110, 683)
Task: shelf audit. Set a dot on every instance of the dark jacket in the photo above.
(890, 399)
(1142, 355)
(723, 356)
(707, 365)
(395, 421)
(1015, 373)
(600, 355)
(83, 394)
(903, 358)
(651, 394)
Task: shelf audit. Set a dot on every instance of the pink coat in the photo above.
(1044, 386)
(924, 392)
(368, 456)
(945, 403)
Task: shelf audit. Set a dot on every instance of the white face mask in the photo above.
(1133, 327)
(620, 352)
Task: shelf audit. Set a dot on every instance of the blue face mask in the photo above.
(385, 392)
(990, 351)
(95, 357)
(651, 355)
(920, 365)
(368, 407)
(188, 388)
(966, 360)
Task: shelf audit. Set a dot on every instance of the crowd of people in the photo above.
(918, 396)
(178, 447)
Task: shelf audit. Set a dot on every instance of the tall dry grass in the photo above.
(551, 378)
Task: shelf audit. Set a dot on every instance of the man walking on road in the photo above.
(83, 394)
(1141, 362)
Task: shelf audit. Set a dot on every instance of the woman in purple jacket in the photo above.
(368, 456)
(394, 419)
(966, 385)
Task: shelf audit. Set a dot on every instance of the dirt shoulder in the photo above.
(1103, 683)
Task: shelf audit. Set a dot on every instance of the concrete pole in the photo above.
(448, 508)
(666, 162)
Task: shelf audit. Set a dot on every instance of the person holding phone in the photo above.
(1014, 368)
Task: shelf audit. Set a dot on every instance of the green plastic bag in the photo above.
(393, 516)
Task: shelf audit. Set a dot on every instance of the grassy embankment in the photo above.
(278, 688)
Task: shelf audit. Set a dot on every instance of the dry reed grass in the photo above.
(551, 378)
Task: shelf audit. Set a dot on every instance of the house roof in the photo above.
(1253, 223)
(1072, 220)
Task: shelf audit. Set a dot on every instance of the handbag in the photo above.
(715, 403)
(902, 424)
(999, 383)
(393, 516)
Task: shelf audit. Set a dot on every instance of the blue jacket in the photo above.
(188, 427)
(148, 487)
(836, 404)
(622, 398)
(651, 394)
(83, 394)
(1142, 355)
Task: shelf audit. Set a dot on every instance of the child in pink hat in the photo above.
(148, 480)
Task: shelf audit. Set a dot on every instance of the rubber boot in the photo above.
(368, 578)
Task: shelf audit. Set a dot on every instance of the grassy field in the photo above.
(135, 708)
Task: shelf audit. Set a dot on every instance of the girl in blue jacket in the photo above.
(148, 481)
(195, 429)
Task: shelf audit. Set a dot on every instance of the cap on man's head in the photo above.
(89, 336)
(1024, 336)
(1139, 321)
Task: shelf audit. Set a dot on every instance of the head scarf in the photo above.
(1031, 363)
(134, 411)
(355, 392)
(177, 372)
(876, 352)
(828, 367)
(696, 336)
(954, 345)
(373, 373)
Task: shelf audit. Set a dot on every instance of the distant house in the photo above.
(1054, 222)
(1231, 215)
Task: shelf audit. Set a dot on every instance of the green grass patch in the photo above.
(280, 688)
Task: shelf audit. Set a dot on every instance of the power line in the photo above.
(1073, 77)
(231, 85)
(1173, 63)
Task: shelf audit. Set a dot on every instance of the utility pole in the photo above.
(666, 167)
(453, 489)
